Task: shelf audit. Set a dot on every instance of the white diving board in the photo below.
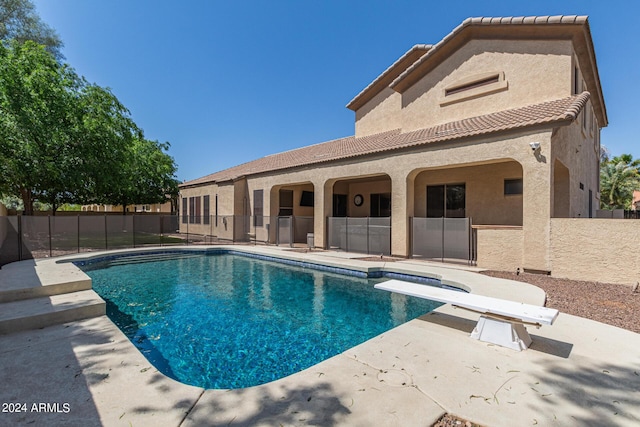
(501, 321)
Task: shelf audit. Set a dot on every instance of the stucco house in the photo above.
(499, 123)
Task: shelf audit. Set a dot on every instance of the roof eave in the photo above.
(574, 28)
(383, 80)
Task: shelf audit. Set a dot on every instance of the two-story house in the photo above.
(499, 122)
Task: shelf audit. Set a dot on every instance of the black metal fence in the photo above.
(632, 214)
(28, 237)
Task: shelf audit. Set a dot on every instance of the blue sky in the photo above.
(229, 82)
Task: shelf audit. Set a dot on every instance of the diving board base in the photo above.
(502, 332)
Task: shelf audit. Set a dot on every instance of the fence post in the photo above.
(78, 233)
(411, 237)
(328, 233)
(346, 234)
(49, 226)
(19, 237)
(442, 247)
(133, 229)
(368, 230)
(471, 243)
(291, 231)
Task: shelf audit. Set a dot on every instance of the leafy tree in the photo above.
(103, 133)
(146, 176)
(19, 21)
(63, 140)
(619, 176)
(37, 96)
(12, 202)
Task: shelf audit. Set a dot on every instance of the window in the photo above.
(184, 210)
(198, 209)
(192, 210)
(206, 212)
(286, 203)
(576, 81)
(258, 209)
(380, 205)
(216, 224)
(446, 201)
(339, 205)
(512, 186)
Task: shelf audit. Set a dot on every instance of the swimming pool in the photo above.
(224, 320)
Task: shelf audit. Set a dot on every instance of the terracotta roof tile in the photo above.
(546, 113)
(486, 21)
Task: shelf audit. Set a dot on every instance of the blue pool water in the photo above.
(230, 321)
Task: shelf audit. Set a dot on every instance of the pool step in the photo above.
(136, 259)
(22, 281)
(45, 311)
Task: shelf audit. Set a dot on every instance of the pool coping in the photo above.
(410, 375)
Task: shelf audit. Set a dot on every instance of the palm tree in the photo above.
(619, 176)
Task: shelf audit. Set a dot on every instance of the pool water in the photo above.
(228, 321)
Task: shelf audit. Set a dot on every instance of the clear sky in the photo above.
(226, 82)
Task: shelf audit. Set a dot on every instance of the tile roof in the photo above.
(409, 69)
(558, 112)
(514, 22)
(389, 75)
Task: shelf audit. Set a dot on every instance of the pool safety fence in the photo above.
(443, 239)
(363, 235)
(28, 237)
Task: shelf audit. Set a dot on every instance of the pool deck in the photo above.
(577, 372)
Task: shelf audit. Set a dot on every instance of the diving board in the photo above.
(501, 321)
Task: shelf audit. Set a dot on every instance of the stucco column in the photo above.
(536, 209)
(322, 201)
(401, 209)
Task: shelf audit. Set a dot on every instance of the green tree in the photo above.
(37, 96)
(103, 134)
(19, 21)
(63, 140)
(619, 176)
(146, 176)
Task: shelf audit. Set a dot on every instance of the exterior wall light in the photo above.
(534, 146)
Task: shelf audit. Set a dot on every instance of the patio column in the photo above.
(323, 193)
(402, 199)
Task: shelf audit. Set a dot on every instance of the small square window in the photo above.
(512, 186)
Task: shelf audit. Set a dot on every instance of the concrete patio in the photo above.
(576, 372)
